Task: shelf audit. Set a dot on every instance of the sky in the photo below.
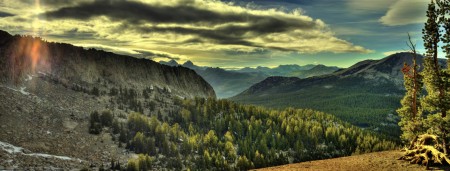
(226, 33)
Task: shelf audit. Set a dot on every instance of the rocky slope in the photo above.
(49, 90)
(22, 55)
(44, 124)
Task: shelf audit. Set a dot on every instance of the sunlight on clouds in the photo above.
(140, 53)
(118, 50)
(189, 30)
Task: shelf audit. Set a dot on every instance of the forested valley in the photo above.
(215, 134)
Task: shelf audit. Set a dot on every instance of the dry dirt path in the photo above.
(386, 160)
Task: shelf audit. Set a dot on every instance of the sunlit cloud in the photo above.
(393, 52)
(405, 12)
(118, 50)
(368, 5)
(159, 55)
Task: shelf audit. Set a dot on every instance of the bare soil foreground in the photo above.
(386, 160)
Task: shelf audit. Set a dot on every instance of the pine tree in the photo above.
(445, 74)
(445, 21)
(436, 102)
(411, 118)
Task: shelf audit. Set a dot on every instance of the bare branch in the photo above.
(411, 45)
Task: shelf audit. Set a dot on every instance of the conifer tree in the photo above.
(445, 22)
(436, 102)
(445, 11)
(431, 70)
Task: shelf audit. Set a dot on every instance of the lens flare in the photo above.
(37, 49)
(29, 57)
(30, 54)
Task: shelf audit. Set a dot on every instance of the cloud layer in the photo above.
(182, 28)
(214, 23)
(369, 6)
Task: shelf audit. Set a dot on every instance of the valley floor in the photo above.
(386, 160)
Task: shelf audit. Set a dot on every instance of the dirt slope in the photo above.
(386, 160)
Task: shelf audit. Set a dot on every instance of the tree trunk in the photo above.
(415, 85)
(444, 141)
(412, 143)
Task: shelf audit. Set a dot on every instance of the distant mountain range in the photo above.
(365, 94)
(281, 70)
(228, 83)
(316, 70)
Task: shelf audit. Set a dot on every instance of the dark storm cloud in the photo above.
(74, 34)
(228, 35)
(134, 14)
(53, 2)
(206, 35)
(137, 12)
(203, 23)
(151, 55)
(297, 2)
(5, 14)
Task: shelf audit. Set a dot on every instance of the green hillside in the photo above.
(208, 134)
(364, 105)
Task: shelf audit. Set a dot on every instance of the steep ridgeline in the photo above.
(365, 94)
(76, 67)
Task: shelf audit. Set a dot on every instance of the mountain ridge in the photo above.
(387, 68)
(53, 93)
(365, 94)
(76, 66)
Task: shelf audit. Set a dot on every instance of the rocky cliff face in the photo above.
(74, 66)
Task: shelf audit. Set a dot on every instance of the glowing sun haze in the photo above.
(227, 33)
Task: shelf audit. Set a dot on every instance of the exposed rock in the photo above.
(69, 125)
(71, 65)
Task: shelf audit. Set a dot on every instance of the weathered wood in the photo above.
(425, 149)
